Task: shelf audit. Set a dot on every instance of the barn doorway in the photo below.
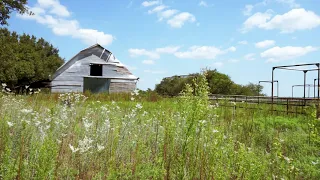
(95, 70)
(96, 84)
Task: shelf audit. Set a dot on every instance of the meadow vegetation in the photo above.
(70, 136)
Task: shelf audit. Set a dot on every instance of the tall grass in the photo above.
(181, 138)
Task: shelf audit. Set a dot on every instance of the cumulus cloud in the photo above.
(256, 20)
(203, 52)
(249, 57)
(143, 52)
(265, 44)
(295, 19)
(46, 13)
(290, 3)
(54, 7)
(167, 14)
(277, 53)
(157, 9)
(150, 3)
(153, 54)
(179, 20)
(174, 18)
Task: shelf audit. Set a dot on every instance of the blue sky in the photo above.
(156, 39)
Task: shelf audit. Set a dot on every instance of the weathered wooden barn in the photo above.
(96, 69)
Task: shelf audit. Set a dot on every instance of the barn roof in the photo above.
(110, 60)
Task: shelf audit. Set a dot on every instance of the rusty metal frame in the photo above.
(302, 85)
(294, 68)
(271, 82)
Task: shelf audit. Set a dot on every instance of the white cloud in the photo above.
(168, 49)
(217, 64)
(157, 9)
(256, 20)
(155, 71)
(203, 4)
(249, 57)
(233, 60)
(149, 3)
(295, 19)
(265, 44)
(202, 52)
(65, 27)
(291, 3)
(232, 49)
(175, 20)
(54, 7)
(153, 54)
(243, 42)
(247, 10)
(167, 14)
(143, 52)
(148, 62)
(178, 20)
(277, 53)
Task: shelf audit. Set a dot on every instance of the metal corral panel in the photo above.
(96, 85)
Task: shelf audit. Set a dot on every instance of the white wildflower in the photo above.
(314, 163)
(4, 85)
(26, 111)
(132, 98)
(136, 92)
(113, 102)
(10, 124)
(215, 131)
(287, 159)
(85, 144)
(73, 149)
(9, 90)
(203, 121)
(139, 106)
(100, 147)
(27, 86)
(37, 123)
(87, 124)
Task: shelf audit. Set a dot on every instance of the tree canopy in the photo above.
(219, 83)
(25, 59)
(8, 6)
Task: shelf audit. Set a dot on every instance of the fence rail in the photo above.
(288, 105)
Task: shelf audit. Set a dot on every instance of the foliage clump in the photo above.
(26, 60)
(218, 83)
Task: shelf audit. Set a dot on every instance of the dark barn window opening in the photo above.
(95, 70)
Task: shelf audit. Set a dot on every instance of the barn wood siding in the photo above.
(122, 87)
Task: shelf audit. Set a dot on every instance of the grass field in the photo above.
(71, 137)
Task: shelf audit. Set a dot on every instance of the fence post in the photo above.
(287, 106)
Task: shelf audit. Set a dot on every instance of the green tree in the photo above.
(218, 83)
(8, 6)
(25, 59)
